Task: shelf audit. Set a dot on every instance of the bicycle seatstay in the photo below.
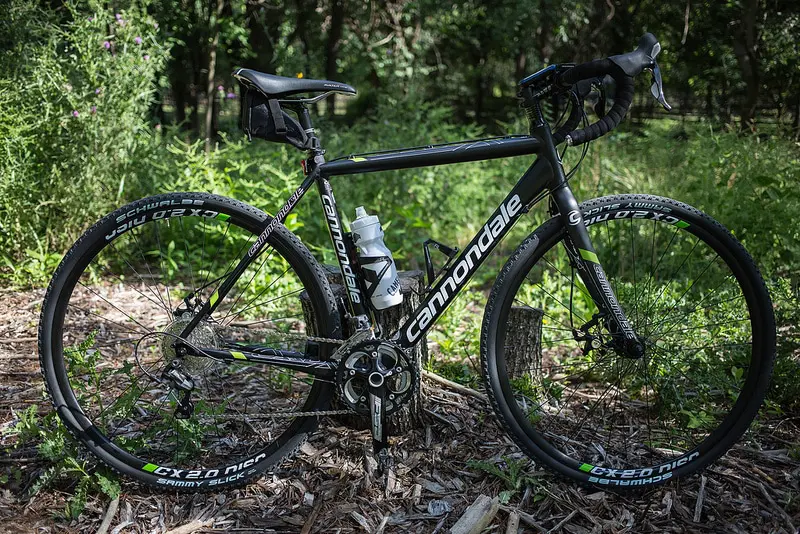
(252, 253)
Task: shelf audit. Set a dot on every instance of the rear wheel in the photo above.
(578, 406)
(122, 295)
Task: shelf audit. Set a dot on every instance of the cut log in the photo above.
(523, 346)
(411, 286)
(477, 517)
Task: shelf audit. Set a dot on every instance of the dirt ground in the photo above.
(754, 488)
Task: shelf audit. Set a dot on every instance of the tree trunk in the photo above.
(212, 73)
(523, 348)
(178, 86)
(545, 31)
(389, 320)
(744, 47)
(796, 121)
(519, 65)
(332, 47)
(263, 24)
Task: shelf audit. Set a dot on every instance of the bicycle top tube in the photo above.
(477, 150)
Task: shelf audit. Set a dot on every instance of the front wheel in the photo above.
(578, 406)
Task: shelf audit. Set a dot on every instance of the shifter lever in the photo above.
(657, 89)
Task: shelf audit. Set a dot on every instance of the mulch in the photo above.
(328, 487)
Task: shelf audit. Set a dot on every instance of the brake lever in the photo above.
(600, 106)
(657, 88)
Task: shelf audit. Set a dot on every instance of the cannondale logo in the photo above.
(467, 263)
(574, 217)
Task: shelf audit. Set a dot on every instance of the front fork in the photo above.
(579, 246)
(582, 254)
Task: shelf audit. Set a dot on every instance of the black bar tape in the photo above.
(622, 101)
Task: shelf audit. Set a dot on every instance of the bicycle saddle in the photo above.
(281, 86)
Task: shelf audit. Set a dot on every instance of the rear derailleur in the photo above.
(183, 384)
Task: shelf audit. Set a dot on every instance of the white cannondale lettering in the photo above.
(461, 271)
(341, 249)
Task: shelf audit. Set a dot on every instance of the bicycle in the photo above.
(201, 364)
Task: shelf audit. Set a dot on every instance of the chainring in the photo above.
(372, 356)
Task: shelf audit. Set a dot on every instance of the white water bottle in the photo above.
(376, 260)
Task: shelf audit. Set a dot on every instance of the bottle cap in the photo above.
(360, 212)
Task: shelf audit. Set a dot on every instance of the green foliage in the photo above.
(512, 473)
(74, 98)
(65, 460)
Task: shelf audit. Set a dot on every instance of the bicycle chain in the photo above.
(315, 413)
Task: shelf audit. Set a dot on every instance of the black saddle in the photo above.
(281, 87)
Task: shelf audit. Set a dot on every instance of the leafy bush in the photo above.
(74, 95)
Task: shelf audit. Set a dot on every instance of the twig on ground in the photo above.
(563, 522)
(110, 513)
(525, 518)
(191, 526)
(779, 509)
(5, 340)
(453, 385)
(513, 523)
(701, 495)
(477, 516)
(312, 517)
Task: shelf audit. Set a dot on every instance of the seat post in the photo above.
(305, 122)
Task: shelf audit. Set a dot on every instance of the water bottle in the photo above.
(380, 273)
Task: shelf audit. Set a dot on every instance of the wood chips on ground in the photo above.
(754, 488)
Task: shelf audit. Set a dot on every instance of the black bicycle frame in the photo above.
(546, 174)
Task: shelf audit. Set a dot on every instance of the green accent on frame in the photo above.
(214, 298)
(586, 467)
(681, 224)
(357, 158)
(238, 355)
(588, 255)
(149, 467)
(223, 216)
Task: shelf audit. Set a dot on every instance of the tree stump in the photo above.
(411, 286)
(523, 348)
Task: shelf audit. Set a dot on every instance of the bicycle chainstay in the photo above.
(344, 344)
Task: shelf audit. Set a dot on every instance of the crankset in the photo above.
(375, 365)
(376, 378)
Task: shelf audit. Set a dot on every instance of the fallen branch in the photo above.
(192, 526)
(701, 495)
(526, 518)
(477, 517)
(453, 385)
(513, 523)
(110, 513)
(312, 517)
(17, 339)
(563, 522)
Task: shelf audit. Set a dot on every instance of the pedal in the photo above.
(450, 252)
